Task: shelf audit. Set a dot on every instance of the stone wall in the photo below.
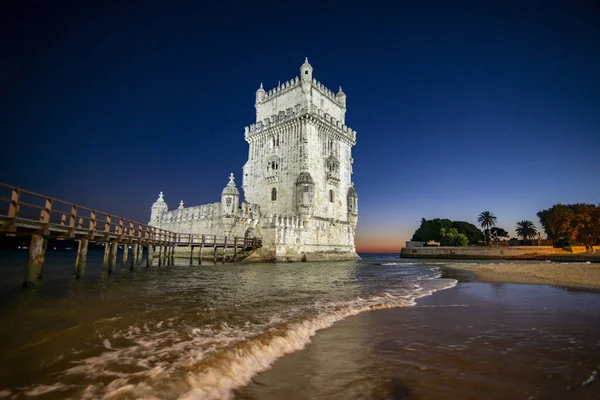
(479, 253)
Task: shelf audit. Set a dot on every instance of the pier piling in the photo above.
(114, 247)
(81, 258)
(35, 263)
(150, 257)
(134, 255)
(106, 253)
(125, 255)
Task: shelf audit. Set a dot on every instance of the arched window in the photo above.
(273, 194)
(331, 196)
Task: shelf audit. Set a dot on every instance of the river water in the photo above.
(222, 331)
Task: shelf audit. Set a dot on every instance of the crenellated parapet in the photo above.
(285, 221)
(292, 114)
(280, 89)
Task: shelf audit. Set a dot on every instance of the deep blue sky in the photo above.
(460, 107)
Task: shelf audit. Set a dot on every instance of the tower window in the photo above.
(331, 196)
(273, 194)
(228, 201)
(305, 72)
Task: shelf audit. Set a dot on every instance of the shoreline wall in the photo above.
(479, 253)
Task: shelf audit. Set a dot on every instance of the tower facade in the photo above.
(298, 193)
(299, 166)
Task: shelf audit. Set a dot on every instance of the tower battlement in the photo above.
(292, 113)
(298, 93)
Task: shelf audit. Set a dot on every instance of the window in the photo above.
(273, 194)
(305, 72)
(331, 196)
(305, 188)
(228, 201)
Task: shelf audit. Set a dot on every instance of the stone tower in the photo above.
(300, 165)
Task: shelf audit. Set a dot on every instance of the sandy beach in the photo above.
(565, 274)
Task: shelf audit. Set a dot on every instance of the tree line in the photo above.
(564, 224)
(568, 224)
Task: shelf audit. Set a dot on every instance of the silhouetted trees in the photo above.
(486, 220)
(526, 230)
(432, 230)
(568, 224)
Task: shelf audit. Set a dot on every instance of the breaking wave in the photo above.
(165, 360)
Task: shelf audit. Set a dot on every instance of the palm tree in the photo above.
(486, 219)
(526, 230)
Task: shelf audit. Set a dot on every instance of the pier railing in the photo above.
(23, 212)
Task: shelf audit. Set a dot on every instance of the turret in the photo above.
(230, 198)
(352, 207)
(305, 189)
(341, 98)
(260, 94)
(306, 71)
(158, 209)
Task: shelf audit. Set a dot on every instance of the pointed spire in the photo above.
(160, 197)
(231, 179)
(181, 205)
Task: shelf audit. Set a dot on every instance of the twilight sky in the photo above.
(460, 107)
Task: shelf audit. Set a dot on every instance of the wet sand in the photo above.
(477, 340)
(563, 274)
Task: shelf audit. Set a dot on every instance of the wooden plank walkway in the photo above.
(25, 213)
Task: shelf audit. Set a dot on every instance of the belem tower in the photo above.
(298, 194)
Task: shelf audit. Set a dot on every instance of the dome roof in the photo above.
(230, 189)
(305, 177)
(160, 202)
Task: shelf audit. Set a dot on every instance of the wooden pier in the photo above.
(25, 213)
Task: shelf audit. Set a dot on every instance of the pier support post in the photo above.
(160, 256)
(81, 258)
(150, 257)
(106, 252)
(191, 255)
(140, 256)
(234, 248)
(215, 254)
(114, 246)
(125, 255)
(224, 250)
(35, 263)
(134, 255)
(173, 255)
(201, 248)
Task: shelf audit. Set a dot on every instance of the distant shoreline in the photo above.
(542, 253)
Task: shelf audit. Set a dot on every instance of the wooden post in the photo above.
(35, 263)
(160, 256)
(173, 255)
(191, 251)
(140, 255)
(201, 248)
(81, 258)
(106, 252)
(150, 257)
(134, 252)
(125, 255)
(224, 249)
(113, 256)
(234, 248)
